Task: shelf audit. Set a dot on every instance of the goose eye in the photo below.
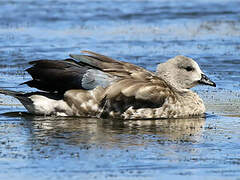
(189, 68)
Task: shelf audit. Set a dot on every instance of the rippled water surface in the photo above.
(144, 32)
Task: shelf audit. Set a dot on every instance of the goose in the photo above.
(94, 85)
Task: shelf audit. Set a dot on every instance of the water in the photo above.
(144, 32)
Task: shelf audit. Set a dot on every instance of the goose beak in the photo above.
(206, 81)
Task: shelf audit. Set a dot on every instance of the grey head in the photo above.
(183, 73)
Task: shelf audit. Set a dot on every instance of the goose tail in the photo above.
(22, 97)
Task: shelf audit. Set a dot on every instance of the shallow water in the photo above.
(144, 32)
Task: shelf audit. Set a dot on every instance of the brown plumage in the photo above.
(96, 85)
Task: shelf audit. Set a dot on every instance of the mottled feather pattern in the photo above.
(85, 103)
(173, 107)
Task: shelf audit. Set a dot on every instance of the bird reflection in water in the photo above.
(111, 132)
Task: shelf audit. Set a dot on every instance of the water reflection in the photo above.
(92, 131)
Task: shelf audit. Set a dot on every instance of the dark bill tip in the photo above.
(206, 81)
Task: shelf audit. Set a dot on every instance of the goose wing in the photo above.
(81, 72)
(136, 94)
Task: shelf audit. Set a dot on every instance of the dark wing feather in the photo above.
(55, 75)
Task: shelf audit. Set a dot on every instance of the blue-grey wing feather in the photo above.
(93, 78)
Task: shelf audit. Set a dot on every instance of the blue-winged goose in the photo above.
(94, 85)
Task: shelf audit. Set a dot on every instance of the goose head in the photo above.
(183, 73)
